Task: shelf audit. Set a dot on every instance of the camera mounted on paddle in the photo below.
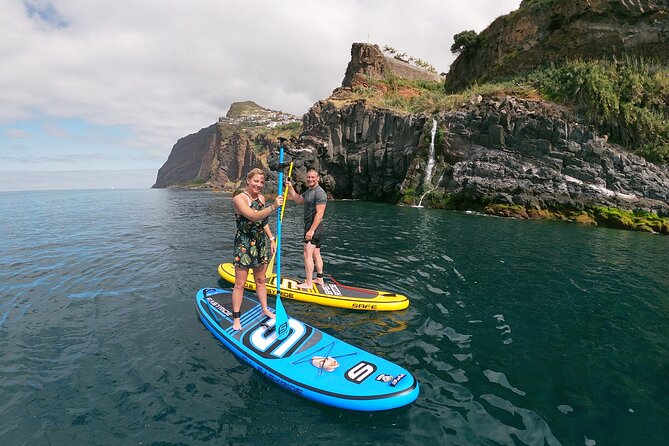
(282, 141)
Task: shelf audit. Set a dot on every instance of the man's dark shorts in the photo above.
(316, 240)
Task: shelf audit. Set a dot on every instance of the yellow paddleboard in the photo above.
(331, 293)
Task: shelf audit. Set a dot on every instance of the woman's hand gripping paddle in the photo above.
(281, 324)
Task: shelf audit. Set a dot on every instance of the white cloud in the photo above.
(57, 131)
(16, 133)
(166, 69)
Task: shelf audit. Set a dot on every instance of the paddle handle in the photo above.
(285, 194)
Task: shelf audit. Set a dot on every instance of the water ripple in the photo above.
(100, 344)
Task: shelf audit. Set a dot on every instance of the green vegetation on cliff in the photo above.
(627, 100)
(405, 96)
(465, 41)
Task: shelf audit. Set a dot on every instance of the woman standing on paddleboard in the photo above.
(254, 242)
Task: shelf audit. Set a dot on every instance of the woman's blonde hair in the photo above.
(254, 172)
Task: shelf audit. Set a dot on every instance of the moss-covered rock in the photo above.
(505, 210)
(584, 218)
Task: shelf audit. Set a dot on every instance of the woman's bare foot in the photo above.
(320, 282)
(236, 324)
(305, 285)
(269, 314)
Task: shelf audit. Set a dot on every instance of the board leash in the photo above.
(327, 355)
(307, 357)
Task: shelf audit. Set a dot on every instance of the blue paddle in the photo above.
(281, 324)
(270, 265)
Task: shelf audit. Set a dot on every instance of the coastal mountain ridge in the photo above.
(227, 150)
(500, 153)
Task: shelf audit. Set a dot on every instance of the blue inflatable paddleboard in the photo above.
(309, 362)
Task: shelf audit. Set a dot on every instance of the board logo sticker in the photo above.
(283, 328)
(219, 307)
(397, 379)
(360, 372)
(384, 378)
(264, 341)
(331, 289)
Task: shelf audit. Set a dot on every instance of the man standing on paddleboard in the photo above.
(314, 200)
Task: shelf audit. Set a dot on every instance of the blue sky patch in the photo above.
(45, 12)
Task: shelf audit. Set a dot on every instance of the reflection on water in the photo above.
(519, 332)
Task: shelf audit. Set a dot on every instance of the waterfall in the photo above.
(420, 202)
(430, 167)
(430, 161)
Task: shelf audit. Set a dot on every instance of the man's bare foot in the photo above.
(305, 285)
(236, 324)
(269, 314)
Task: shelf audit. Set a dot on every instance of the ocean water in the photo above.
(537, 333)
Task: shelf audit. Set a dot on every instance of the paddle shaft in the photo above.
(270, 266)
(278, 227)
(282, 324)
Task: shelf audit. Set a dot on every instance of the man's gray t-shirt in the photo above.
(312, 197)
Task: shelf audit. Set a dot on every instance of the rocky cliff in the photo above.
(544, 31)
(503, 151)
(190, 158)
(234, 157)
(360, 152)
(368, 60)
(532, 153)
(220, 155)
(516, 156)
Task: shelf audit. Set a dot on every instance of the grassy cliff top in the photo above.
(418, 96)
(626, 99)
(246, 108)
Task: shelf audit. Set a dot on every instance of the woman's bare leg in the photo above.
(261, 289)
(238, 294)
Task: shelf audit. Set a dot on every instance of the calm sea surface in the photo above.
(519, 332)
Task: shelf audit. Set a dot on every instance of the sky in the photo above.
(94, 93)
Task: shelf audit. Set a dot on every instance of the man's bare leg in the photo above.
(318, 260)
(308, 266)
